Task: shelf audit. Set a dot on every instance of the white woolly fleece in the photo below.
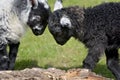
(12, 26)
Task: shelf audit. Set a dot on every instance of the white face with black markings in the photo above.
(38, 17)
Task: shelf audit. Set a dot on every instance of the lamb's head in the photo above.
(34, 13)
(60, 26)
(22, 8)
(38, 17)
(66, 22)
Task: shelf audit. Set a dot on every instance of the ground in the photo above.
(50, 74)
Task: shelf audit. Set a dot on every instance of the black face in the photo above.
(38, 19)
(60, 33)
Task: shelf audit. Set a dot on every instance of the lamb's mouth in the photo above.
(38, 30)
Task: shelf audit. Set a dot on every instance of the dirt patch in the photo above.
(50, 74)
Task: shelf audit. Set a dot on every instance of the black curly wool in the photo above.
(97, 27)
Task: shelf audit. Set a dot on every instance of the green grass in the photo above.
(43, 51)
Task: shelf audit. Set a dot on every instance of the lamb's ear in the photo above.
(34, 3)
(65, 22)
(45, 3)
(58, 5)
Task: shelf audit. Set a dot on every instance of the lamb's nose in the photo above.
(37, 28)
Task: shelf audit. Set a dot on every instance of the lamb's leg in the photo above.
(13, 54)
(93, 57)
(3, 57)
(113, 62)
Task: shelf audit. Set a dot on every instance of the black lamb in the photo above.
(97, 27)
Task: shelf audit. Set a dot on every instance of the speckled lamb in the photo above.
(97, 27)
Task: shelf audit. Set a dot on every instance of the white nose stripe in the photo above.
(5, 57)
(37, 27)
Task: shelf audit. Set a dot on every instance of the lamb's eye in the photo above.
(38, 18)
(57, 29)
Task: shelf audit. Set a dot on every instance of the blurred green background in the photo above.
(42, 51)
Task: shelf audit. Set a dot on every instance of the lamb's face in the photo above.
(59, 26)
(38, 18)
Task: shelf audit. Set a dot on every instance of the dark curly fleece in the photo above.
(97, 27)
